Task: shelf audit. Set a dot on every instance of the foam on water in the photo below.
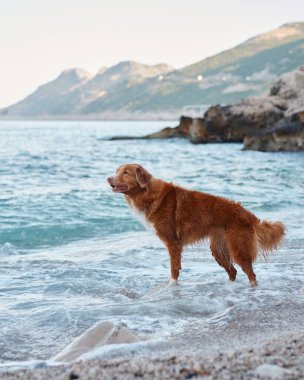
(72, 254)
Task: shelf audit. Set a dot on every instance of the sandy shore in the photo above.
(281, 358)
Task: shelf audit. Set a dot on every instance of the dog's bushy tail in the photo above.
(269, 236)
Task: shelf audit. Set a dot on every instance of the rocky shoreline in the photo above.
(280, 358)
(273, 123)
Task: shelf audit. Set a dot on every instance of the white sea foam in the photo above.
(8, 249)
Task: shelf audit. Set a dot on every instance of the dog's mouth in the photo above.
(119, 188)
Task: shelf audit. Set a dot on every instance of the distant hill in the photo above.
(74, 89)
(132, 90)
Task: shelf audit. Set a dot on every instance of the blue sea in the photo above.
(73, 254)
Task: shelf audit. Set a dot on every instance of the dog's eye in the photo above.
(126, 172)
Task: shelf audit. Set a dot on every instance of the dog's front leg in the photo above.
(175, 253)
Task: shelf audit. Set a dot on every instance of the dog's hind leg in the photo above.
(221, 254)
(243, 250)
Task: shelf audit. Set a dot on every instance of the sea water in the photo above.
(73, 254)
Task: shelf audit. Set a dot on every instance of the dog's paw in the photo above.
(172, 281)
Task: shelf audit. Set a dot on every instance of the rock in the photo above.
(283, 90)
(215, 119)
(233, 123)
(180, 131)
(275, 89)
(222, 124)
(288, 133)
(100, 334)
(198, 131)
(290, 86)
(285, 136)
(187, 128)
(184, 125)
(166, 133)
(271, 371)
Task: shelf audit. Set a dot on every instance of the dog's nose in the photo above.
(110, 179)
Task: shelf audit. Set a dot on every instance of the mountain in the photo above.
(225, 60)
(131, 89)
(115, 80)
(74, 89)
(48, 96)
(244, 71)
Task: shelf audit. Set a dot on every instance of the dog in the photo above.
(183, 217)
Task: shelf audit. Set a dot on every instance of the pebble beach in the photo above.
(281, 358)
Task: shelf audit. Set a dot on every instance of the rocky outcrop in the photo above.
(166, 133)
(180, 131)
(198, 131)
(222, 124)
(285, 135)
(273, 123)
(233, 123)
(288, 133)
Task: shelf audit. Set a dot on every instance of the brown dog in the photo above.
(181, 217)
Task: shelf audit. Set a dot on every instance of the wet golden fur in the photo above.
(181, 217)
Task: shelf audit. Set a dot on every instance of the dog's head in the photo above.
(129, 177)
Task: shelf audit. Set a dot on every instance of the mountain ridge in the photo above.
(132, 88)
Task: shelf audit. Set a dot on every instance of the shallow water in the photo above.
(72, 253)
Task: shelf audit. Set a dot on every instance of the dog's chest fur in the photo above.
(141, 215)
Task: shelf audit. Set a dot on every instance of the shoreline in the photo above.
(264, 328)
(149, 116)
(277, 358)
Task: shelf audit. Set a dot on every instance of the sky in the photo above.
(41, 38)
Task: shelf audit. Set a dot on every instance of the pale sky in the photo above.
(41, 38)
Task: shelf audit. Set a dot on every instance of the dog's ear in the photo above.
(142, 176)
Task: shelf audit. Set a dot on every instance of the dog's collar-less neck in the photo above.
(139, 200)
